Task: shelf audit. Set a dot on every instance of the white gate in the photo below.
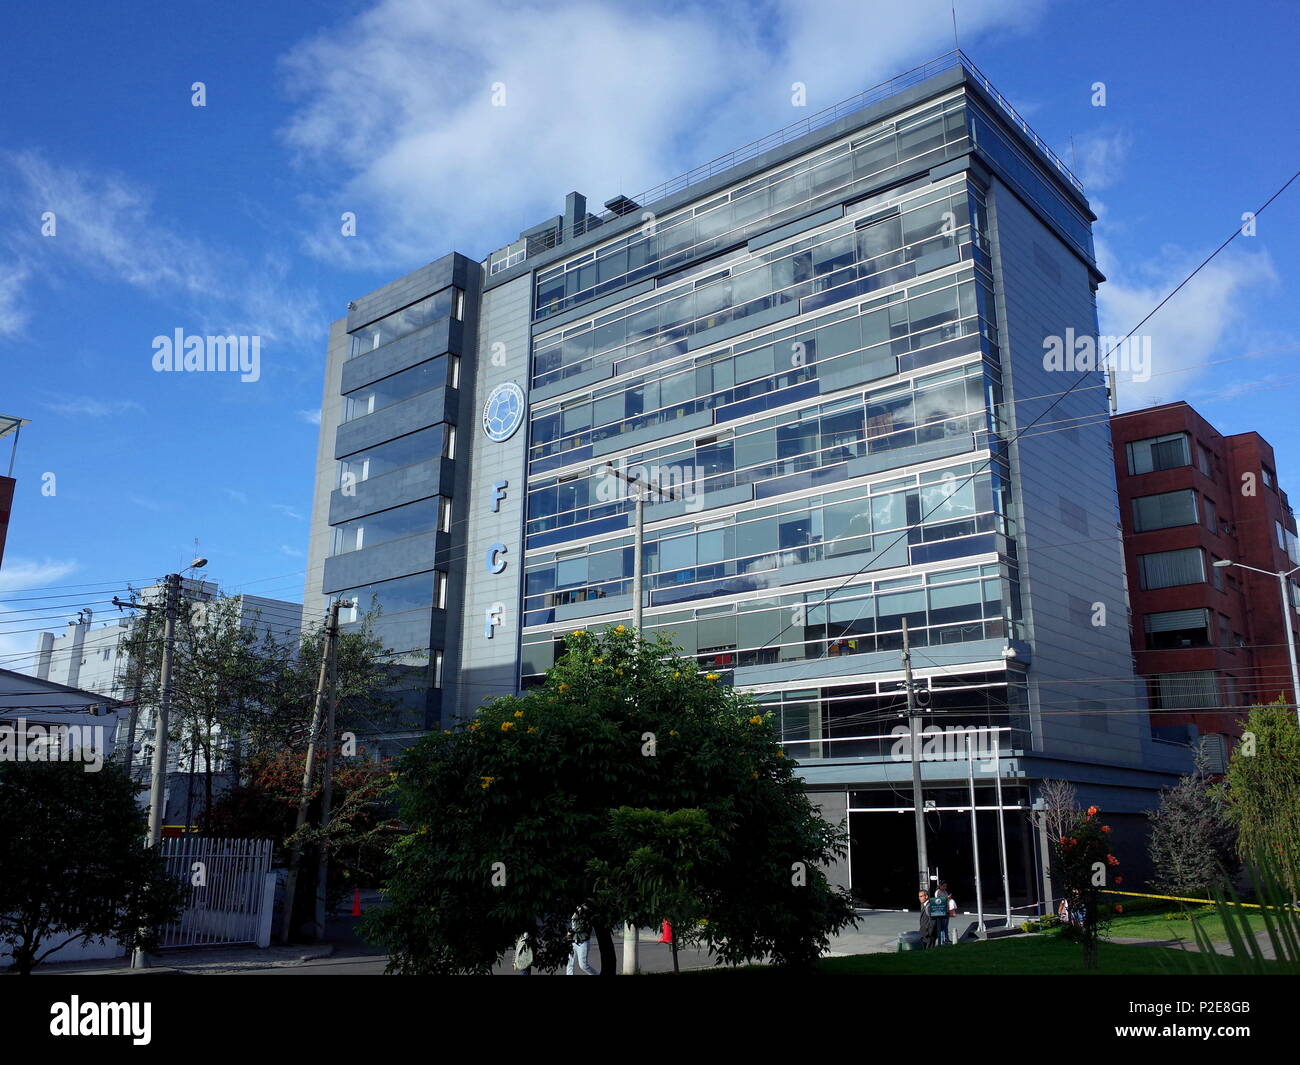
(232, 901)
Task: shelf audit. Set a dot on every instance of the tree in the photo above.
(658, 874)
(1264, 790)
(75, 865)
(1060, 806)
(1193, 842)
(513, 827)
(1085, 863)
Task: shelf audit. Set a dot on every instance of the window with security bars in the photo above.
(1196, 690)
(1168, 569)
(1164, 511)
(1159, 453)
(1177, 628)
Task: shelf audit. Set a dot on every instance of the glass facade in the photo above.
(828, 410)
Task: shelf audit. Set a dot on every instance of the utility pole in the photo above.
(158, 782)
(327, 786)
(975, 840)
(309, 771)
(918, 801)
(631, 935)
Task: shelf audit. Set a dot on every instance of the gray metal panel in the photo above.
(399, 558)
(429, 478)
(451, 269)
(748, 324)
(434, 339)
(800, 225)
(857, 374)
(849, 665)
(879, 461)
(723, 497)
(593, 306)
(571, 384)
(650, 433)
(611, 604)
(418, 412)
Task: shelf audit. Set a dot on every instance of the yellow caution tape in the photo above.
(1179, 898)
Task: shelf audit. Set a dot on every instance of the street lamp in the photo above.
(1281, 576)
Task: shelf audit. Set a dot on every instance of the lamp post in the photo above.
(1281, 576)
(631, 934)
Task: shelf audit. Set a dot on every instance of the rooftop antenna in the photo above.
(955, 41)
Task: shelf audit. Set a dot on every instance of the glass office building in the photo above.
(828, 350)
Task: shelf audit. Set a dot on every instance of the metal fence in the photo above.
(230, 891)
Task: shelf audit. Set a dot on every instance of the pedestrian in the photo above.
(927, 922)
(949, 912)
(937, 907)
(523, 963)
(580, 937)
(1063, 911)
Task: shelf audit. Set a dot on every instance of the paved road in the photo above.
(874, 931)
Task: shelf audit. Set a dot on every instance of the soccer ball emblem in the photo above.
(503, 412)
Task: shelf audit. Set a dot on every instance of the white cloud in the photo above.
(89, 407)
(395, 105)
(311, 417)
(1099, 158)
(1209, 318)
(107, 227)
(13, 316)
(292, 552)
(23, 573)
(287, 511)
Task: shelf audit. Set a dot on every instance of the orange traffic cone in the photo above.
(356, 902)
(667, 935)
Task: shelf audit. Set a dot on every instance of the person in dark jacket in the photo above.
(928, 928)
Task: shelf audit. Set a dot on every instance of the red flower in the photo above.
(1093, 811)
(1111, 860)
(1105, 828)
(1119, 880)
(1119, 907)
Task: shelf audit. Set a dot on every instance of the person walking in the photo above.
(937, 907)
(580, 937)
(950, 912)
(927, 926)
(523, 963)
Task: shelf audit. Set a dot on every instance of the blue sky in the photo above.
(226, 218)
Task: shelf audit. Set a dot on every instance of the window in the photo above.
(1198, 690)
(453, 371)
(440, 589)
(444, 514)
(392, 597)
(393, 524)
(1158, 453)
(1204, 460)
(404, 451)
(1167, 569)
(1270, 478)
(1216, 573)
(449, 443)
(394, 389)
(1225, 632)
(437, 668)
(1164, 511)
(1211, 514)
(1177, 628)
(448, 302)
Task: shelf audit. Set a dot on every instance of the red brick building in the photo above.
(8, 427)
(1209, 640)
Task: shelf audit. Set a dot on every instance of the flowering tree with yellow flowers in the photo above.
(520, 815)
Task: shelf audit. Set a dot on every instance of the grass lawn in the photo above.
(1154, 926)
(1022, 955)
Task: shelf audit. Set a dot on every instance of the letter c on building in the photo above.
(495, 564)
